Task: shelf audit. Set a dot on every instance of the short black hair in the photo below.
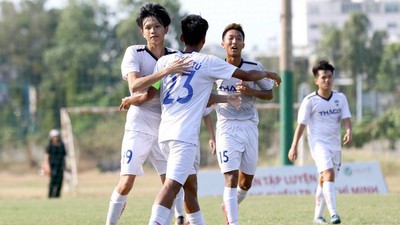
(322, 65)
(233, 26)
(153, 10)
(194, 28)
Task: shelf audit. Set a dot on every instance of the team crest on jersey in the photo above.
(337, 102)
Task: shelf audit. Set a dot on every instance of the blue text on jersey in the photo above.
(330, 112)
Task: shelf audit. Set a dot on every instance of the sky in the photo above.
(260, 20)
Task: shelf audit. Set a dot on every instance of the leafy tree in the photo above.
(388, 76)
(354, 39)
(25, 32)
(376, 49)
(330, 46)
(80, 64)
(387, 126)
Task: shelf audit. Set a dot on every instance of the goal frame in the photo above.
(68, 137)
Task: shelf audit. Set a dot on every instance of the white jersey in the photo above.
(146, 117)
(207, 111)
(247, 109)
(184, 97)
(323, 118)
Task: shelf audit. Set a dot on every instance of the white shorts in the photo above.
(136, 148)
(181, 159)
(326, 159)
(237, 146)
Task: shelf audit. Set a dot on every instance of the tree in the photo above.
(354, 39)
(80, 63)
(388, 76)
(25, 32)
(330, 46)
(373, 59)
(387, 126)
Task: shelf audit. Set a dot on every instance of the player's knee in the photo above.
(124, 187)
(231, 179)
(245, 186)
(190, 188)
(328, 175)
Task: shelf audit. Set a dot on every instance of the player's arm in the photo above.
(254, 75)
(244, 88)
(138, 98)
(210, 127)
(347, 136)
(234, 100)
(292, 155)
(138, 83)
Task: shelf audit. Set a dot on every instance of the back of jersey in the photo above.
(184, 97)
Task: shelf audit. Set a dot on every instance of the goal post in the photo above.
(68, 137)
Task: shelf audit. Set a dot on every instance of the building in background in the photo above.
(383, 15)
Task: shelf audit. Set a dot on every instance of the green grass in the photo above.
(23, 201)
(262, 210)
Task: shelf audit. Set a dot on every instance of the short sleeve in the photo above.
(345, 108)
(130, 62)
(304, 111)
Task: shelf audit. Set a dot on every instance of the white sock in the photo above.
(241, 194)
(159, 214)
(231, 205)
(330, 196)
(116, 207)
(319, 203)
(179, 204)
(171, 215)
(196, 218)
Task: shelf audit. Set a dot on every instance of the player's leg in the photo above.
(329, 162)
(248, 164)
(159, 162)
(193, 211)
(181, 157)
(230, 204)
(161, 208)
(134, 151)
(178, 209)
(244, 185)
(320, 204)
(230, 145)
(119, 198)
(328, 189)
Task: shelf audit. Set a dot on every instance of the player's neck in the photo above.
(157, 50)
(325, 93)
(234, 60)
(193, 48)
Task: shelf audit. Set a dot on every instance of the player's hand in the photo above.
(292, 155)
(243, 88)
(179, 66)
(235, 100)
(125, 104)
(276, 77)
(213, 146)
(347, 138)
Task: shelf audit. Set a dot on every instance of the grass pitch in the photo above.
(23, 202)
